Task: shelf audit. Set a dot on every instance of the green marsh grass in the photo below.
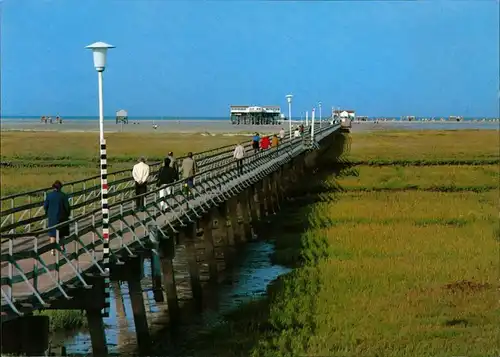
(425, 177)
(65, 319)
(399, 273)
(121, 146)
(425, 145)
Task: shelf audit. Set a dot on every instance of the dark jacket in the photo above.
(167, 174)
(58, 210)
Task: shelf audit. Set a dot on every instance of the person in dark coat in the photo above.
(58, 210)
(166, 176)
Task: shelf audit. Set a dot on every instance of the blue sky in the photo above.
(195, 58)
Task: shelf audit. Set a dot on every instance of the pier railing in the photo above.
(32, 277)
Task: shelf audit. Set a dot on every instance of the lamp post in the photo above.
(289, 99)
(320, 116)
(100, 50)
(307, 118)
(312, 127)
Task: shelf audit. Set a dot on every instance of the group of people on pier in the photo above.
(168, 174)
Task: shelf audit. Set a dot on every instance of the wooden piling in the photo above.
(233, 232)
(188, 236)
(246, 230)
(97, 332)
(261, 199)
(119, 303)
(253, 207)
(207, 225)
(275, 190)
(256, 200)
(134, 275)
(223, 231)
(167, 254)
(156, 276)
(268, 196)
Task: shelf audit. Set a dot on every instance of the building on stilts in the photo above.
(254, 115)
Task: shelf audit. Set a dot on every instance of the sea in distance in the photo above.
(149, 118)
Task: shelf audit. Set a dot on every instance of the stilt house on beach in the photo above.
(253, 115)
(122, 116)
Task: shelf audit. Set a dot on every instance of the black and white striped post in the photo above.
(99, 50)
(105, 228)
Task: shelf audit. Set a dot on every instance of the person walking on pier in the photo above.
(173, 161)
(282, 134)
(256, 142)
(166, 176)
(238, 154)
(265, 143)
(140, 173)
(189, 169)
(275, 143)
(57, 210)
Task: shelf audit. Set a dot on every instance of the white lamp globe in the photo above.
(99, 50)
(289, 98)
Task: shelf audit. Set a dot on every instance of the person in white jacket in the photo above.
(140, 173)
(239, 154)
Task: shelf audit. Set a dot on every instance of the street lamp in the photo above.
(289, 99)
(320, 116)
(100, 50)
(312, 125)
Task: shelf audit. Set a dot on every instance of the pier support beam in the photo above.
(207, 225)
(119, 303)
(246, 230)
(134, 276)
(256, 200)
(97, 332)
(156, 276)
(275, 189)
(167, 254)
(253, 207)
(268, 196)
(188, 236)
(234, 233)
(222, 231)
(262, 201)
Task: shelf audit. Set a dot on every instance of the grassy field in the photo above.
(395, 273)
(121, 146)
(74, 155)
(426, 144)
(426, 177)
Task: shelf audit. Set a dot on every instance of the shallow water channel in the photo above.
(248, 279)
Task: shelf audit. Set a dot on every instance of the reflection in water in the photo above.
(246, 281)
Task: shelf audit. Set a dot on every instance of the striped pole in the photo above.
(105, 228)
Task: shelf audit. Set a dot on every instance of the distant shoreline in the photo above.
(224, 127)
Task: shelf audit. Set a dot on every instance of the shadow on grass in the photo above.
(282, 322)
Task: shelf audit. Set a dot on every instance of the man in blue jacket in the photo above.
(58, 210)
